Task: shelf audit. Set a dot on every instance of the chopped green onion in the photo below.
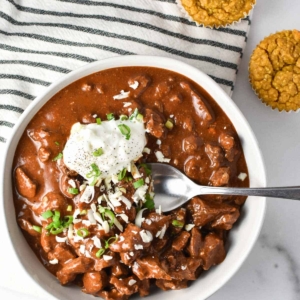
(122, 174)
(49, 226)
(56, 143)
(59, 156)
(56, 230)
(149, 202)
(113, 238)
(140, 117)
(83, 212)
(83, 232)
(134, 114)
(98, 152)
(73, 191)
(110, 116)
(57, 225)
(102, 211)
(146, 168)
(138, 183)
(94, 181)
(56, 218)
(98, 121)
(37, 228)
(123, 117)
(100, 252)
(125, 130)
(67, 221)
(95, 171)
(47, 214)
(169, 124)
(177, 223)
(128, 178)
(108, 213)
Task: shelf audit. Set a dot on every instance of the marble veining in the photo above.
(285, 253)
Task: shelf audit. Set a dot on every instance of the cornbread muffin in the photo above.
(216, 13)
(274, 70)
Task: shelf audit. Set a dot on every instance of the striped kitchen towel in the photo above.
(40, 41)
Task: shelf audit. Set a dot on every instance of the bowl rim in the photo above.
(114, 62)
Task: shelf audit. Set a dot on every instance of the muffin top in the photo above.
(274, 70)
(216, 13)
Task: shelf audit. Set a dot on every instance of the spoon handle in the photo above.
(292, 192)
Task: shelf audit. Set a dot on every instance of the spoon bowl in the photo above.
(172, 188)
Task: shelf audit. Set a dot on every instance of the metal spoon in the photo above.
(173, 189)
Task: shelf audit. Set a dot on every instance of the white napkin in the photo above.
(40, 41)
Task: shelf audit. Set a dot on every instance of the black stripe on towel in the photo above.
(17, 93)
(208, 59)
(36, 64)
(130, 22)
(25, 78)
(59, 54)
(2, 139)
(12, 108)
(7, 124)
(154, 13)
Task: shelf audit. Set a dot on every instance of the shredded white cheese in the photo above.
(134, 85)
(121, 239)
(122, 95)
(72, 183)
(147, 150)
(70, 231)
(160, 157)
(93, 207)
(98, 218)
(126, 202)
(86, 223)
(131, 282)
(135, 172)
(82, 249)
(160, 234)
(105, 226)
(140, 193)
(91, 217)
(88, 194)
(124, 217)
(158, 210)
(126, 104)
(87, 254)
(189, 227)
(82, 187)
(139, 218)
(138, 247)
(242, 176)
(97, 242)
(146, 236)
(53, 261)
(107, 257)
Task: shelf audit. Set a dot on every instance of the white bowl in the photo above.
(242, 236)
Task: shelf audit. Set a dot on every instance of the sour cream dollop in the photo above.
(118, 152)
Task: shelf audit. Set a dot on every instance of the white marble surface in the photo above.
(272, 270)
